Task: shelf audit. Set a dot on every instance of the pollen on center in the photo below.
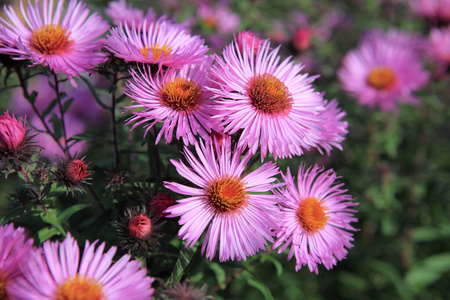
(269, 94)
(311, 214)
(50, 39)
(79, 288)
(381, 78)
(227, 194)
(157, 51)
(181, 94)
(3, 284)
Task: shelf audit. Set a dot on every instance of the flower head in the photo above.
(12, 133)
(384, 70)
(160, 42)
(138, 229)
(121, 13)
(335, 129)
(185, 290)
(271, 102)
(435, 11)
(176, 98)
(226, 204)
(248, 40)
(440, 44)
(160, 203)
(73, 174)
(14, 250)
(316, 218)
(66, 42)
(218, 18)
(58, 272)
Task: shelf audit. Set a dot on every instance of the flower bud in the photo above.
(159, 203)
(301, 39)
(139, 226)
(76, 170)
(12, 133)
(247, 40)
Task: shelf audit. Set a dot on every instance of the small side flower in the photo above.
(73, 174)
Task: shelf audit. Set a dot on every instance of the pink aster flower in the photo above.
(440, 44)
(316, 219)
(14, 250)
(384, 70)
(271, 102)
(335, 129)
(121, 13)
(160, 42)
(436, 11)
(176, 98)
(66, 44)
(218, 18)
(232, 208)
(58, 272)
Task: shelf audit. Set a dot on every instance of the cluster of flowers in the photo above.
(387, 67)
(266, 103)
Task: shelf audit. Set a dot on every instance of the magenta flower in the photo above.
(66, 44)
(335, 129)
(218, 18)
(316, 219)
(384, 71)
(14, 250)
(440, 44)
(436, 11)
(176, 98)
(160, 42)
(12, 133)
(232, 208)
(121, 13)
(271, 102)
(58, 272)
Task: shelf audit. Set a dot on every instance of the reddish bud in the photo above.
(76, 170)
(248, 40)
(139, 226)
(12, 133)
(159, 203)
(301, 39)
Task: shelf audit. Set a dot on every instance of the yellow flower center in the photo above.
(311, 214)
(157, 51)
(269, 94)
(381, 78)
(50, 39)
(79, 288)
(227, 194)
(3, 283)
(181, 94)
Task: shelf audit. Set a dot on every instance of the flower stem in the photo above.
(113, 119)
(61, 112)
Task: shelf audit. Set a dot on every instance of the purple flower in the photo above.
(316, 219)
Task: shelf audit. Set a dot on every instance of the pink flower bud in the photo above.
(12, 132)
(76, 170)
(301, 39)
(248, 39)
(139, 226)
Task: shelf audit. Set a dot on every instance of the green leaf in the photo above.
(94, 93)
(46, 233)
(220, 274)
(51, 218)
(66, 214)
(67, 104)
(183, 261)
(56, 126)
(261, 287)
(428, 271)
(49, 108)
(32, 97)
(278, 266)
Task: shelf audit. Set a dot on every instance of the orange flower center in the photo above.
(269, 95)
(181, 94)
(50, 39)
(139, 226)
(381, 78)
(226, 194)
(3, 284)
(311, 214)
(79, 288)
(157, 51)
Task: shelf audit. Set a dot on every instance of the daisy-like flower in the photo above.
(435, 11)
(176, 98)
(121, 13)
(384, 71)
(273, 104)
(335, 129)
(440, 44)
(58, 272)
(316, 219)
(160, 43)
(229, 206)
(66, 43)
(14, 250)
